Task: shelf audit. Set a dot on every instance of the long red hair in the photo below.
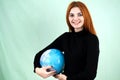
(88, 25)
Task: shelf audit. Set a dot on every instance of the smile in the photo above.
(76, 23)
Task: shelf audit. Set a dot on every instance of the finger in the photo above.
(48, 67)
(52, 73)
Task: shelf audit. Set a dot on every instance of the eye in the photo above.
(71, 15)
(80, 14)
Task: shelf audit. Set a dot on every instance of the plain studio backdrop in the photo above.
(27, 26)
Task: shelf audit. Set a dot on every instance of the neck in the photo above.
(78, 29)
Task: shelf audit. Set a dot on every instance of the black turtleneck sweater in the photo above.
(81, 52)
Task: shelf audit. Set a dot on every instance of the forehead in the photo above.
(75, 10)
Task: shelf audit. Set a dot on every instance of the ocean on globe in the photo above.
(54, 58)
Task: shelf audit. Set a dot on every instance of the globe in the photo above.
(54, 58)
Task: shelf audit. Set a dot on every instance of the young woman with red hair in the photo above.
(80, 46)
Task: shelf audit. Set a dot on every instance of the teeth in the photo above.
(76, 23)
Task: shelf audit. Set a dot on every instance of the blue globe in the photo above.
(54, 58)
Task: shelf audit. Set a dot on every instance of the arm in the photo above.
(55, 44)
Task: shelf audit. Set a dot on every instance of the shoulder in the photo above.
(65, 34)
(91, 38)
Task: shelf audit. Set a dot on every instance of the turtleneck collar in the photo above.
(82, 32)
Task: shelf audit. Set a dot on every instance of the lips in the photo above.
(76, 23)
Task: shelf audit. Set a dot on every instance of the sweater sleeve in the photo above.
(55, 44)
(90, 71)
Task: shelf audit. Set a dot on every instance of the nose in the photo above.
(75, 18)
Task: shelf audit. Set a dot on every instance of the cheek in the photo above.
(82, 19)
(70, 19)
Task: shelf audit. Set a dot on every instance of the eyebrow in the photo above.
(78, 12)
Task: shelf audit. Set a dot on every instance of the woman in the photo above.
(80, 46)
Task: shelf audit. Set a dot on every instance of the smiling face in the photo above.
(76, 19)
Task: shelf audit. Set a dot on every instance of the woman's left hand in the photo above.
(61, 77)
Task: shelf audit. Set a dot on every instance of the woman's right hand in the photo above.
(44, 73)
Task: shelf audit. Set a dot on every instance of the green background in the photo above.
(27, 26)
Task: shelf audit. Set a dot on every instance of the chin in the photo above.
(77, 26)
